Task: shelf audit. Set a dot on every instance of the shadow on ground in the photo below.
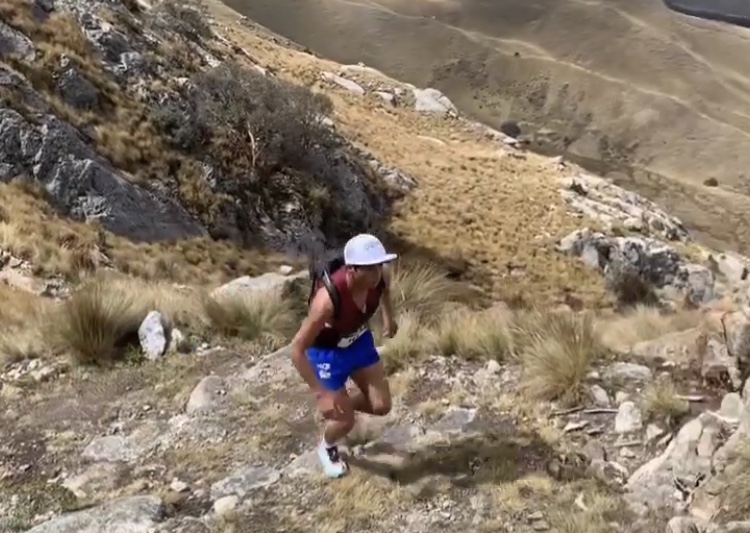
(466, 462)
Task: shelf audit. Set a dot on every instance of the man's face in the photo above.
(367, 276)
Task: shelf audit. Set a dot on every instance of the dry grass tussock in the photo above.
(555, 349)
(661, 402)
(643, 323)
(100, 321)
(264, 316)
(21, 318)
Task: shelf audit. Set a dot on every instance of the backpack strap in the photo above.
(333, 292)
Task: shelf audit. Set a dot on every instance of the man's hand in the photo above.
(390, 328)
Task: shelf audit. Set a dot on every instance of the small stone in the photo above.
(627, 453)
(226, 505)
(621, 396)
(575, 426)
(179, 486)
(600, 396)
(628, 372)
(285, 270)
(493, 367)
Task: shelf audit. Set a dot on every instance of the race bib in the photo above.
(347, 341)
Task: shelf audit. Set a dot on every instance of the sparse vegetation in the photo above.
(644, 323)
(97, 323)
(258, 316)
(556, 350)
(423, 290)
(661, 402)
(483, 335)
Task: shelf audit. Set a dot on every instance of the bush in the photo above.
(485, 335)
(97, 323)
(260, 315)
(407, 346)
(660, 402)
(253, 121)
(423, 290)
(188, 19)
(556, 350)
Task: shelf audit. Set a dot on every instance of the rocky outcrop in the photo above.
(82, 130)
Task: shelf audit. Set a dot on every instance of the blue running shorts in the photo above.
(333, 366)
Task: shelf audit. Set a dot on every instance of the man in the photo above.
(334, 343)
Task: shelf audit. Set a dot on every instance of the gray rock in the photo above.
(682, 524)
(83, 184)
(388, 98)
(628, 373)
(688, 459)
(433, 102)
(303, 465)
(226, 505)
(732, 407)
(76, 90)
(719, 366)
(207, 395)
(153, 336)
(244, 481)
(454, 420)
(611, 204)
(136, 514)
(656, 262)
(183, 524)
(98, 478)
(248, 285)
(599, 395)
(628, 418)
(344, 83)
(115, 448)
(15, 43)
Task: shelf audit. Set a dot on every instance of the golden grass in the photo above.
(643, 323)
(423, 290)
(407, 346)
(96, 324)
(556, 351)
(258, 315)
(21, 317)
(660, 402)
(475, 335)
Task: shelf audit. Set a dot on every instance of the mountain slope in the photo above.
(616, 82)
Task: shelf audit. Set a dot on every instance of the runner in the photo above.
(334, 342)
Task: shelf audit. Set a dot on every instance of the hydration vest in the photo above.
(348, 320)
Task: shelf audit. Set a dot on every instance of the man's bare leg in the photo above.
(339, 421)
(373, 394)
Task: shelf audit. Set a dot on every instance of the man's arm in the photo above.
(320, 311)
(386, 304)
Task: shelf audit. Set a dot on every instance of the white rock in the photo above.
(628, 372)
(209, 393)
(628, 418)
(153, 336)
(493, 367)
(433, 102)
(599, 395)
(344, 83)
(226, 506)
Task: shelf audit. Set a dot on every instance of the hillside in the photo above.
(568, 357)
(618, 83)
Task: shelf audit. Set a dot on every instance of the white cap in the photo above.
(365, 250)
